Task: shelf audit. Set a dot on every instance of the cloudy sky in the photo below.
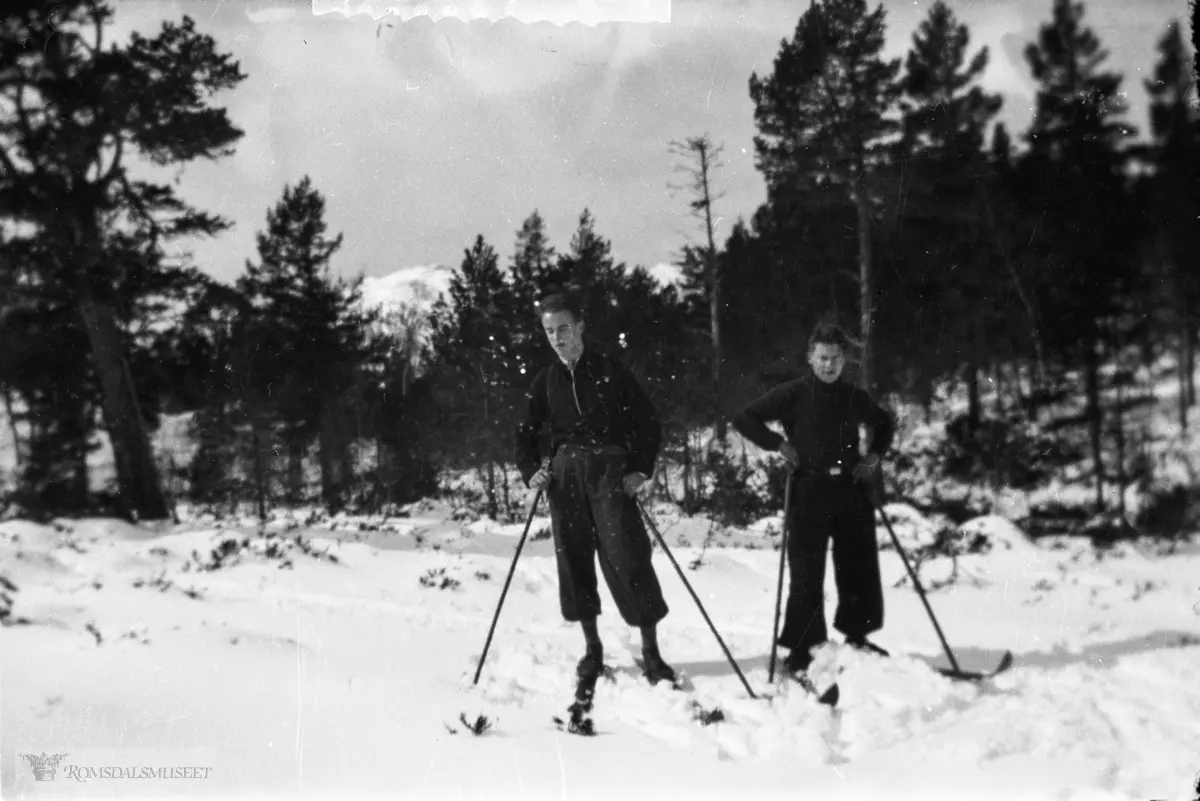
(422, 134)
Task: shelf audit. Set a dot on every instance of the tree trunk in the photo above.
(1095, 416)
(81, 485)
(382, 490)
(865, 284)
(328, 445)
(1182, 369)
(1119, 431)
(260, 478)
(974, 413)
(716, 340)
(507, 491)
(998, 239)
(1190, 352)
(493, 511)
(688, 497)
(137, 474)
(974, 352)
(714, 300)
(295, 470)
(18, 459)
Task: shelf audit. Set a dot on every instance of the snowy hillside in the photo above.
(419, 285)
(336, 657)
(666, 273)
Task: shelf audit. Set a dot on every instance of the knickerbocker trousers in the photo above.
(592, 516)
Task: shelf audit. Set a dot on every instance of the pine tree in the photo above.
(44, 363)
(312, 331)
(705, 159)
(402, 419)
(77, 107)
(1175, 153)
(947, 277)
(589, 269)
(533, 261)
(44, 368)
(533, 266)
(1196, 42)
(471, 339)
(207, 353)
(1004, 219)
(822, 118)
(1075, 167)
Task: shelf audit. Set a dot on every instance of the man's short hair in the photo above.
(827, 332)
(559, 301)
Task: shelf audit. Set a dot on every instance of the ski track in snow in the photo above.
(317, 676)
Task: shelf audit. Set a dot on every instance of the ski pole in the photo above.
(512, 569)
(695, 598)
(916, 582)
(783, 545)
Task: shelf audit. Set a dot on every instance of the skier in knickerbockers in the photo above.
(604, 438)
(820, 415)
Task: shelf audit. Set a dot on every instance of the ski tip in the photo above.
(831, 696)
(967, 675)
(582, 727)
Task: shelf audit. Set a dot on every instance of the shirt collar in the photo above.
(583, 354)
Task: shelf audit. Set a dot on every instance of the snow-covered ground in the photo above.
(338, 664)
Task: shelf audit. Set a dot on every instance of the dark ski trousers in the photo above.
(591, 515)
(826, 508)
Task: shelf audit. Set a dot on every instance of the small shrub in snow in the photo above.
(947, 542)
(140, 633)
(436, 578)
(483, 575)
(423, 506)
(306, 547)
(159, 582)
(1168, 512)
(477, 727)
(1106, 530)
(707, 717)
(739, 491)
(231, 550)
(7, 592)
(543, 533)
(1140, 588)
(226, 552)
(464, 515)
(395, 510)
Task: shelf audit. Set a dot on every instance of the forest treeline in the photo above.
(1049, 264)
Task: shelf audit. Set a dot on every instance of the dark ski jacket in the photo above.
(820, 420)
(601, 403)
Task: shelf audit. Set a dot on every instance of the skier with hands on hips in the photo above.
(820, 414)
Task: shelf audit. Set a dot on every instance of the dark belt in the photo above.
(836, 471)
(594, 450)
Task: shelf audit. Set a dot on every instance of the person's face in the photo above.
(826, 361)
(564, 333)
